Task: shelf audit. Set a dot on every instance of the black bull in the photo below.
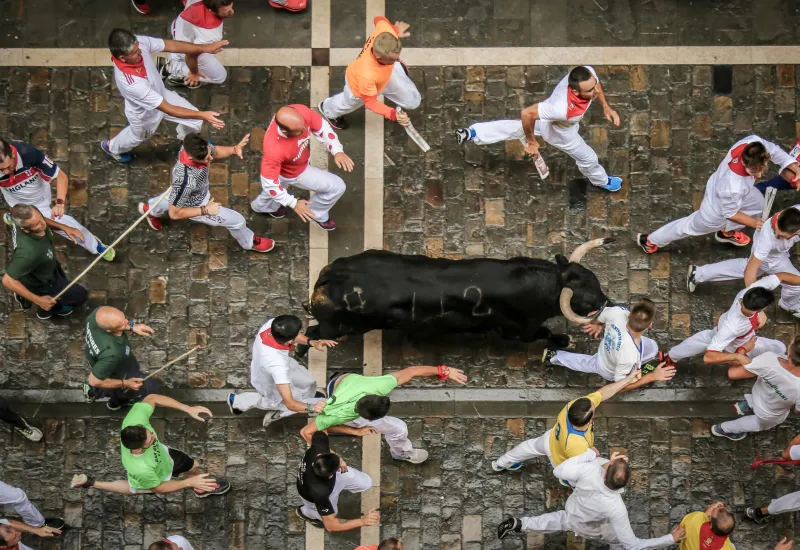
(383, 290)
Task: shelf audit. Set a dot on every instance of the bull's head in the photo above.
(581, 292)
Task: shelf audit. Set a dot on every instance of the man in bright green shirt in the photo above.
(357, 405)
(151, 465)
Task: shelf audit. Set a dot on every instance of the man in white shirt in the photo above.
(734, 340)
(147, 101)
(731, 201)
(173, 542)
(768, 255)
(775, 392)
(595, 509)
(283, 386)
(556, 120)
(34, 521)
(199, 23)
(623, 348)
(11, 533)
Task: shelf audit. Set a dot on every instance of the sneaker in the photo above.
(269, 418)
(737, 238)
(743, 408)
(497, 468)
(691, 283)
(161, 67)
(417, 456)
(113, 406)
(108, 253)
(262, 244)
(88, 394)
(64, 312)
(223, 486)
(614, 184)
(462, 135)
(338, 123)
(290, 5)
(314, 522)
(122, 157)
(547, 355)
(7, 219)
(329, 225)
(30, 433)
(508, 526)
(152, 221)
(717, 430)
(229, 401)
(81, 481)
(23, 303)
(795, 314)
(279, 213)
(642, 239)
(141, 6)
(55, 523)
(757, 515)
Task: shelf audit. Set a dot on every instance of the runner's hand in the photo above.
(202, 482)
(532, 148)
(759, 224)
(318, 406)
(373, 517)
(367, 430)
(663, 372)
(215, 47)
(593, 329)
(634, 376)
(342, 465)
(57, 211)
(794, 172)
(343, 161)
(44, 531)
(618, 456)
(142, 330)
(74, 235)
(611, 116)
(238, 149)
(678, 533)
(302, 210)
(193, 79)
(211, 118)
(212, 207)
(750, 344)
(133, 383)
(402, 118)
(196, 411)
(457, 376)
(45, 302)
(784, 544)
(320, 345)
(402, 29)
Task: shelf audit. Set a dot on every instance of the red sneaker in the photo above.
(152, 221)
(262, 244)
(290, 5)
(644, 242)
(141, 6)
(329, 225)
(737, 238)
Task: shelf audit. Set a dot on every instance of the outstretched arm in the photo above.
(187, 48)
(155, 400)
(444, 373)
(610, 114)
(610, 390)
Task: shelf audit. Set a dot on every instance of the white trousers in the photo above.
(751, 423)
(698, 343)
(706, 221)
(230, 219)
(352, 480)
(393, 430)
(141, 128)
(89, 241)
(207, 63)
(786, 503)
(252, 399)
(591, 363)
(17, 499)
(565, 139)
(558, 522)
(327, 188)
(733, 269)
(400, 89)
(539, 446)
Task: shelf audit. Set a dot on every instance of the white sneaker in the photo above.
(796, 314)
(30, 433)
(417, 456)
(270, 417)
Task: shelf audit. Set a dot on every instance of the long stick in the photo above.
(778, 461)
(769, 198)
(188, 353)
(112, 245)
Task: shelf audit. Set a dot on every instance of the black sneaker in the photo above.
(462, 135)
(223, 486)
(717, 430)
(23, 303)
(320, 394)
(757, 515)
(161, 66)
(508, 526)
(55, 523)
(113, 406)
(338, 123)
(547, 355)
(691, 283)
(314, 522)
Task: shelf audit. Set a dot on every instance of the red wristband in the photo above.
(444, 372)
(741, 349)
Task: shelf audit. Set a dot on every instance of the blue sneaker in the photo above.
(7, 219)
(108, 254)
(717, 430)
(614, 184)
(123, 158)
(743, 408)
(497, 468)
(231, 397)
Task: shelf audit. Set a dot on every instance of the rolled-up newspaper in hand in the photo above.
(416, 136)
(769, 198)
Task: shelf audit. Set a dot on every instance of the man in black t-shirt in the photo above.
(322, 476)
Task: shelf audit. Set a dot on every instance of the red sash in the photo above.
(200, 16)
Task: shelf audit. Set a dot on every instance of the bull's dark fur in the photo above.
(383, 290)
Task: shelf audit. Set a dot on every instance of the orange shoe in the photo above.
(643, 240)
(262, 244)
(152, 221)
(290, 5)
(737, 238)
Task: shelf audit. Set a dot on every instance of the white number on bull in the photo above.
(354, 301)
(479, 292)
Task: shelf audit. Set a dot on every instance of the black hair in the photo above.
(754, 155)
(392, 543)
(578, 75)
(120, 42)
(723, 516)
(618, 474)
(215, 5)
(642, 314)
(789, 220)
(5, 150)
(159, 545)
(3, 542)
(133, 437)
(196, 146)
(325, 465)
(758, 298)
(286, 327)
(580, 412)
(373, 407)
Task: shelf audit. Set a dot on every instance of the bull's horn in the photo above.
(578, 254)
(566, 308)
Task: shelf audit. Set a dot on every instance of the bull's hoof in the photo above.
(560, 341)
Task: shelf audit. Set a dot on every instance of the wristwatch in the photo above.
(59, 201)
(131, 323)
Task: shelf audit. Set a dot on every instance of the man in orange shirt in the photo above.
(376, 70)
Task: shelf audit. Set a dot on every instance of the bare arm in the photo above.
(601, 96)
(661, 374)
(789, 279)
(21, 290)
(113, 383)
(172, 486)
(179, 112)
(716, 357)
(184, 212)
(333, 524)
(62, 185)
(409, 373)
(738, 372)
(163, 401)
(788, 449)
(751, 271)
(289, 400)
(189, 49)
(610, 390)
(744, 219)
(529, 117)
(309, 430)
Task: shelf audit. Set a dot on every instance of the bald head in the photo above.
(111, 319)
(290, 121)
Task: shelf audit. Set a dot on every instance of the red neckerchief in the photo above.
(269, 340)
(736, 165)
(709, 540)
(775, 225)
(13, 171)
(200, 16)
(753, 322)
(576, 105)
(133, 70)
(184, 158)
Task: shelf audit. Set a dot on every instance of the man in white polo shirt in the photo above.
(147, 101)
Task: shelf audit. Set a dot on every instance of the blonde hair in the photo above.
(386, 44)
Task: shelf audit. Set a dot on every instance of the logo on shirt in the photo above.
(90, 343)
(49, 254)
(776, 389)
(612, 339)
(127, 350)
(302, 144)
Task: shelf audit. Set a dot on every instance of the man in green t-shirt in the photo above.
(115, 371)
(34, 274)
(358, 405)
(151, 465)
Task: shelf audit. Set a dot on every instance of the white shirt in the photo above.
(776, 391)
(22, 546)
(559, 108)
(596, 512)
(271, 365)
(726, 190)
(619, 353)
(197, 24)
(770, 249)
(734, 327)
(182, 543)
(142, 94)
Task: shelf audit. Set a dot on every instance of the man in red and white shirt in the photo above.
(199, 23)
(731, 201)
(147, 101)
(286, 162)
(556, 120)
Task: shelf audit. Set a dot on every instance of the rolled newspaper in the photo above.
(416, 136)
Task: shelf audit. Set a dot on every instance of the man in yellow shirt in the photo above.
(377, 70)
(572, 433)
(709, 530)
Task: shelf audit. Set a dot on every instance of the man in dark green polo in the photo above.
(115, 371)
(34, 274)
